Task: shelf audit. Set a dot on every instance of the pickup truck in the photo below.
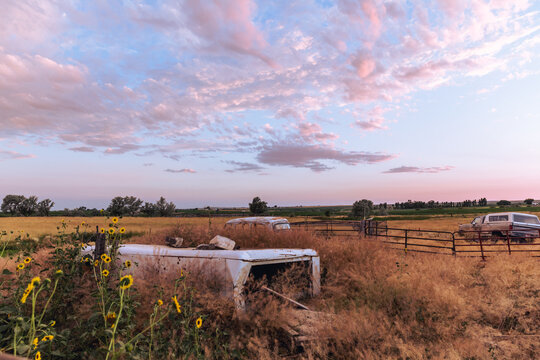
(518, 226)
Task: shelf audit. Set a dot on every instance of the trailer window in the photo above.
(282, 227)
(526, 219)
(494, 218)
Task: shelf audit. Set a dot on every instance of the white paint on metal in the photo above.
(271, 222)
(233, 265)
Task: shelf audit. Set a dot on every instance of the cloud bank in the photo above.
(270, 79)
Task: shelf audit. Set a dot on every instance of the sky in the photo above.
(297, 102)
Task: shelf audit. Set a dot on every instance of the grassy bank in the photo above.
(380, 304)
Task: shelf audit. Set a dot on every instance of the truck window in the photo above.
(477, 220)
(528, 219)
(495, 218)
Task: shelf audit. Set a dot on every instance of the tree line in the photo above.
(436, 204)
(20, 205)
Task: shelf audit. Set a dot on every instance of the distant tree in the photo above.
(132, 205)
(257, 206)
(116, 207)
(127, 205)
(80, 211)
(164, 208)
(11, 204)
(528, 201)
(362, 208)
(44, 207)
(504, 203)
(148, 209)
(482, 202)
(28, 206)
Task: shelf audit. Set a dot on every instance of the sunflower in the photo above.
(47, 338)
(127, 263)
(103, 256)
(160, 302)
(27, 260)
(83, 223)
(38, 356)
(83, 245)
(126, 282)
(178, 306)
(29, 288)
(96, 263)
(111, 316)
(102, 230)
(198, 323)
(20, 266)
(107, 259)
(105, 272)
(52, 323)
(111, 231)
(114, 219)
(122, 230)
(35, 342)
(36, 281)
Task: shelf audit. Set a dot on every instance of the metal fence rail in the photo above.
(465, 243)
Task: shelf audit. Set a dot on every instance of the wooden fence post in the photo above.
(100, 244)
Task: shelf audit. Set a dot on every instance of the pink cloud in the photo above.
(177, 171)
(311, 156)
(82, 149)
(416, 169)
(311, 132)
(122, 149)
(453, 8)
(13, 155)
(365, 12)
(227, 25)
(394, 9)
(363, 52)
(373, 120)
(243, 166)
(364, 64)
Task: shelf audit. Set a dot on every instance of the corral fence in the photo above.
(463, 243)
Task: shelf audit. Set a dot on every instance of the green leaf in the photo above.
(6, 272)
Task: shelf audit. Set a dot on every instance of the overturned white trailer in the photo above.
(234, 267)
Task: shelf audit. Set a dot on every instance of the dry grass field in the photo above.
(378, 303)
(39, 226)
(441, 223)
(388, 305)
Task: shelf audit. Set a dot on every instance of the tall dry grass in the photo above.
(386, 304)
(39, 226)
(377, 303)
